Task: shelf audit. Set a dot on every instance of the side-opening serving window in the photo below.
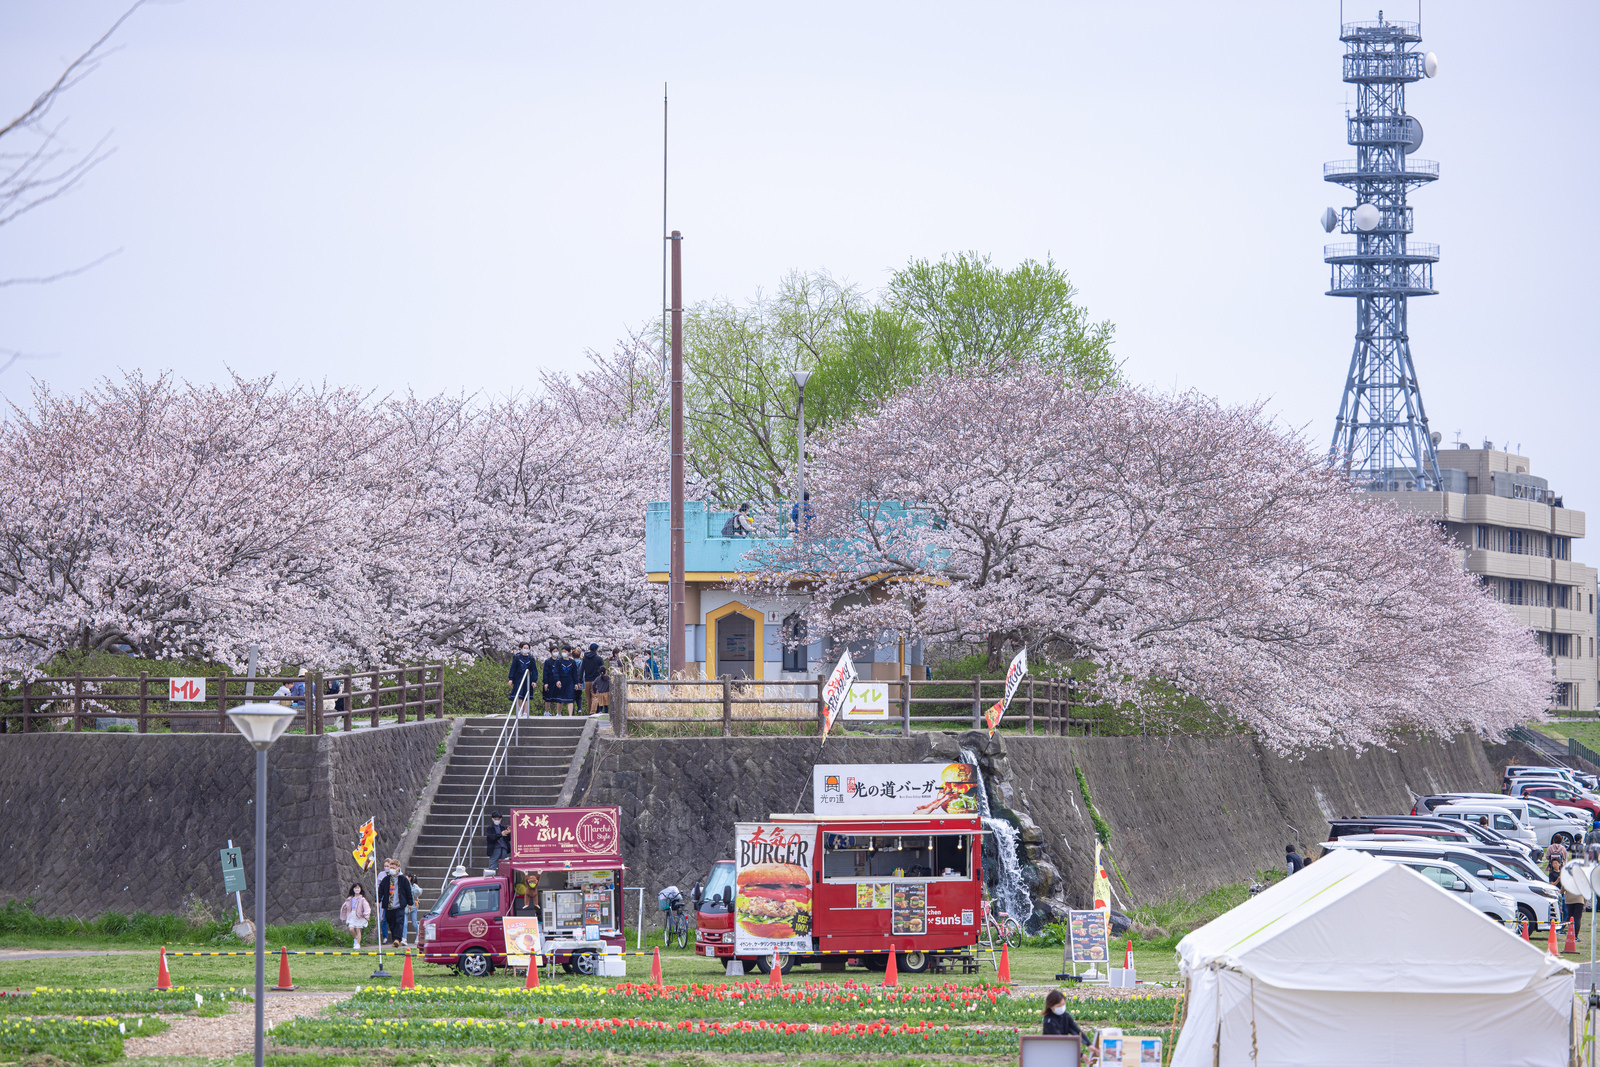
(854, 857)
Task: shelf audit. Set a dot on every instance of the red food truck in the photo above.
(832, 887)
(565, 868)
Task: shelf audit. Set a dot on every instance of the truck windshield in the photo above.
(720, 878)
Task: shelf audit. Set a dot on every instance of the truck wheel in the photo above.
(912, 962)
(786, 963)
(475, 963)
(586, 963)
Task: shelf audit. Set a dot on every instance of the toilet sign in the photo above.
(192, 690)
(233, 870)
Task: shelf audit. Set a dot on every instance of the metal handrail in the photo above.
(509, 732)
(1410, 166)
(1414, 250)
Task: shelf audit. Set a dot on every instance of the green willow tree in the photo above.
(946, 316)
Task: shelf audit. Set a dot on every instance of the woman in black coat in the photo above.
(1056, 1019)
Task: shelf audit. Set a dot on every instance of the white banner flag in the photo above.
(1014, 675)
(836, 693)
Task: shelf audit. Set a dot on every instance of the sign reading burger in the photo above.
(895, 789)
(772, 906)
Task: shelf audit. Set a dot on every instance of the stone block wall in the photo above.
(97, 822)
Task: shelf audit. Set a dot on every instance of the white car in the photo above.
(1498, 906)
(1526, 887)
(1550, 825)
(1497, 818)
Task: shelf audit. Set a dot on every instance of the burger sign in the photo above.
(895, 789)
(772, 912)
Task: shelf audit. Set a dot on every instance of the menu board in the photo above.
(522, 939)
(874, 894)
(563, 908)
(909, 914)
(1090, 936)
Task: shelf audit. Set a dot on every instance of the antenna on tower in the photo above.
(1381, 437)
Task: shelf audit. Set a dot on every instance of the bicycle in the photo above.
(999, 926)
(677, 924)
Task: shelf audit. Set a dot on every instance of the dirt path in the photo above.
(231, 1034)
(52, 954)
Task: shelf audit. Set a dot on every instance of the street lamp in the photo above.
(261, 725)
(800, 379)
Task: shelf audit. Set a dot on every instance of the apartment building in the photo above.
(1517, 535)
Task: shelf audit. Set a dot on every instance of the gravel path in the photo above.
(227, 1035)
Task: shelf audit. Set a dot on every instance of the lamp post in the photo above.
(800, 379)
(261, 725)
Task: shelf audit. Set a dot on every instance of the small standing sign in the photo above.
(192, 690)
(233, 870)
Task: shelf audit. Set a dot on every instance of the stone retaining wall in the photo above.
(97, 822)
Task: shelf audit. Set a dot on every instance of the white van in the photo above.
(1446, 875)
(1499, 818)
(1548, 824)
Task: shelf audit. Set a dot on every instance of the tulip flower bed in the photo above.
(809, 1002)
(44, 1000)
(620, 1035)
(76, 1040)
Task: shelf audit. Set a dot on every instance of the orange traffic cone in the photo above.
(163, 979)
(533, 973)
(407, 979)
(775, 973)
(1127, 957)
(1525, 930)
(285, 983)
(1005, 964)
(1572, 940)
(1551, 947)
(891, 972)
(655, 967)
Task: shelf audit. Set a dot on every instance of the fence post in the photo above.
(27, 709)
(727, 706)
(404, 677)
(905, 705)
(619, 703)
(345, 688)
(314, 693)
(822, 705)
(977, 700)
(1030, 705)
(77, 702)
(439, 688)
(222, 703)
(144, 702)
(373, 695)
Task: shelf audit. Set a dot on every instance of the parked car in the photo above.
(1587, 781)
(1564, 827)
(1494, 816)
(1402, 823)
(1526, 886)
(1496, 905)
(1550, 778)
(1558, 796)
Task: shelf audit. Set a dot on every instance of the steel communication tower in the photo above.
(1381, 437)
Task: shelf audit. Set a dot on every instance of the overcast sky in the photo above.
(454, 196)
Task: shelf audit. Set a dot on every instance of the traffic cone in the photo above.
(655, 967)
(891, 972)
(163, 979)
(1005, 964)
(407, 979)
(1127, 957)
(1571, 946)
(285, 983)
(1551, 947)
(775, 973)
(1525, 929)
(533, 973)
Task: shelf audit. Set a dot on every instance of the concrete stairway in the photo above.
(534, 774)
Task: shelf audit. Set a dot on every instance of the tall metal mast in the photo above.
(1381, 437)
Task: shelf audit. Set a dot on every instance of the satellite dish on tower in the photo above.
(1430, 64)
(1366, 217)
(1330, 219)
(1413, 135)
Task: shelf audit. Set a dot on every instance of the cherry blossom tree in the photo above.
(1166, 540)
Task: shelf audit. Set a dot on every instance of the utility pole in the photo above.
(676, 660)
(800, 379)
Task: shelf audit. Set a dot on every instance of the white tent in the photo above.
(1356, 960)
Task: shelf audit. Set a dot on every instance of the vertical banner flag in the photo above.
(1014, 674)
(772, 912)
(369, 843)
(836, 693)
(1102, 884)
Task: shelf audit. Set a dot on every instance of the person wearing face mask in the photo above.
(497, 841)
(354, 913)
(566, 682)
(1056, 1019)
(394, 897)
(521, 679)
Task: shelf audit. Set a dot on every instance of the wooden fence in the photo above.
(408, 692)
(1044, 706)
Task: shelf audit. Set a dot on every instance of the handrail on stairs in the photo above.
(510, 732)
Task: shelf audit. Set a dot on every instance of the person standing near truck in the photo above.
(394, 897)
(497, 841)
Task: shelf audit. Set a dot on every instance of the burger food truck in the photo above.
(889, 860)
(565, 870)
